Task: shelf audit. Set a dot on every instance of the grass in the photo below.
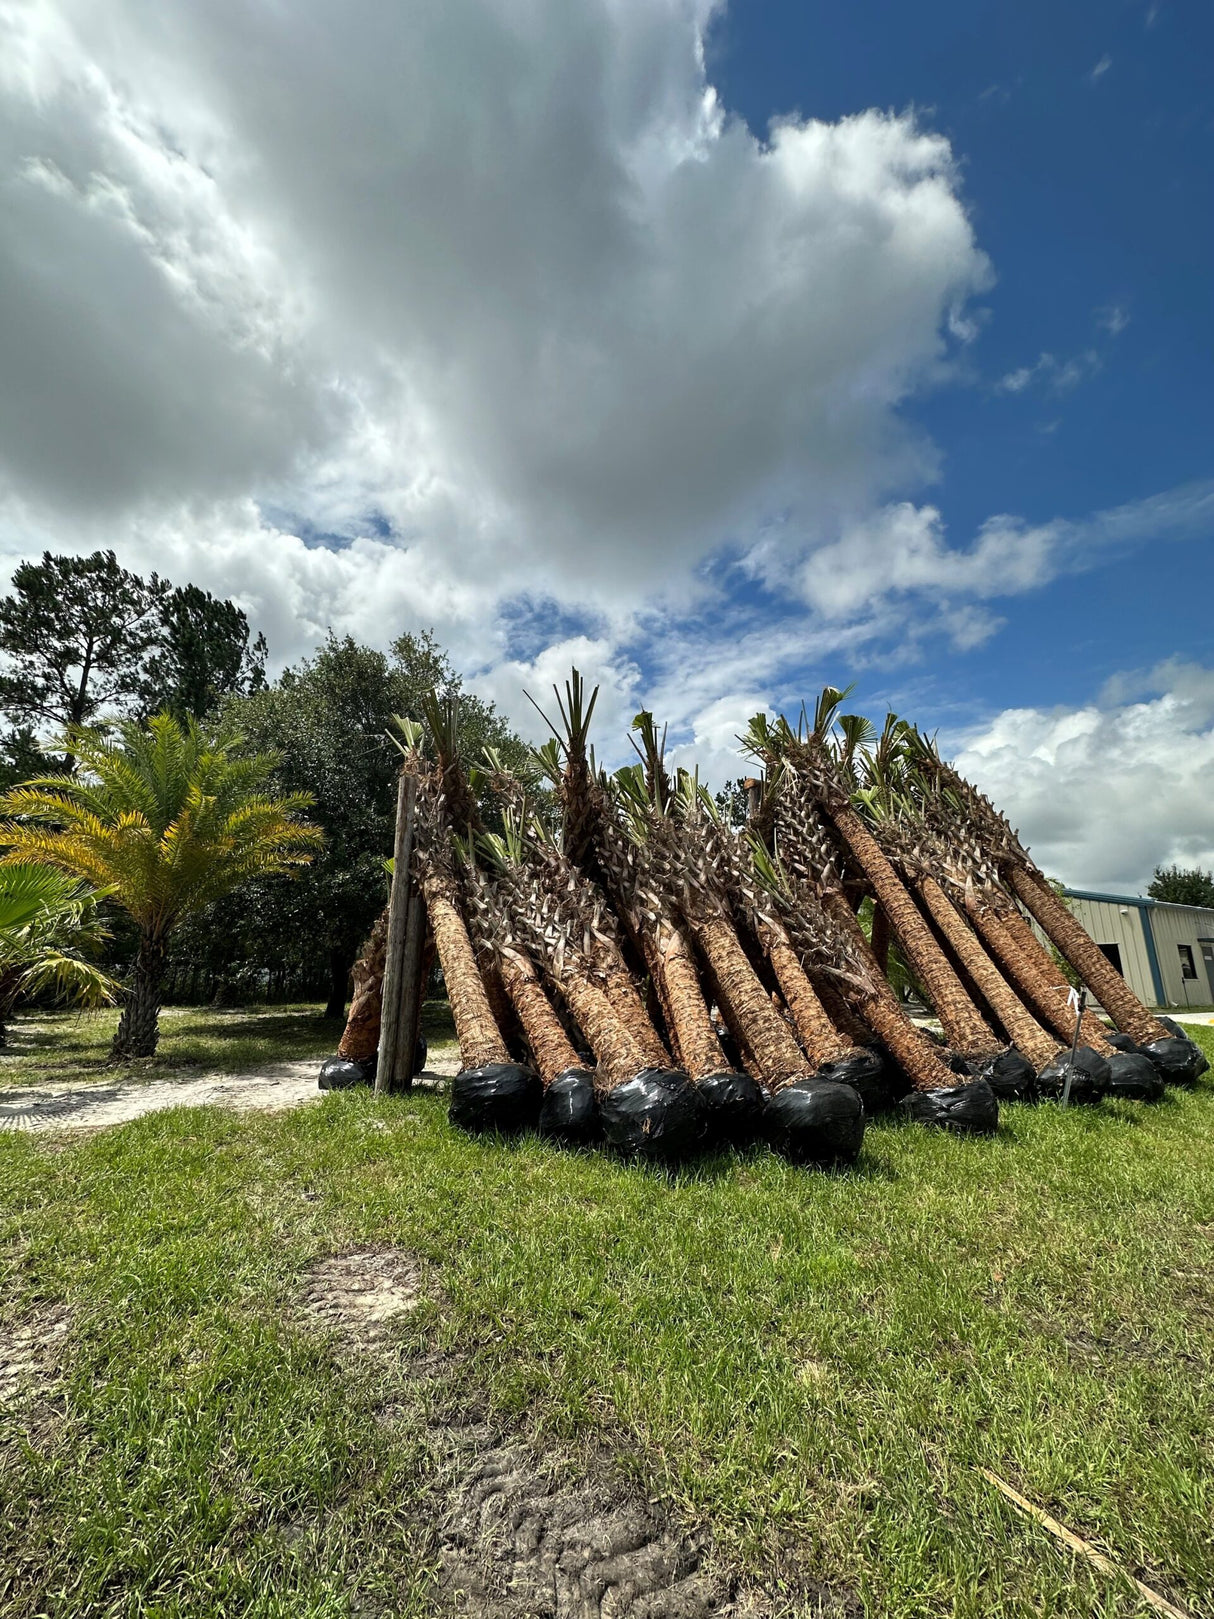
(65, 1047)
(817, 1365)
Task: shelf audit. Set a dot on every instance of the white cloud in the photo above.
(1058, 376)
(1101, 68)
(1104, 793)
(506, 275)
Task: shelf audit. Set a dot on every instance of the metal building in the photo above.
(1165, 952)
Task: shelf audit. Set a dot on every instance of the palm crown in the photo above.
(167, 818)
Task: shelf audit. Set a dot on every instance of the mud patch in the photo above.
(361, 1294)
(516, 1533)
(31, 1356)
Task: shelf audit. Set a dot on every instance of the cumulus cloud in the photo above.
(1104, 793)
(508, 277)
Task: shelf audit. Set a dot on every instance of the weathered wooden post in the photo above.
(390, 1031)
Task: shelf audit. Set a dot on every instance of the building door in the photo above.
(1207, 956)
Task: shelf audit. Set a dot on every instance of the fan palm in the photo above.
(49, 926)
(166, 817)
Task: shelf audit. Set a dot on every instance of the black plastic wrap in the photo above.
(734, 1103)
(1010, 1075)
(815, 1121)
(1133, 1075)
(570, 1111)
(966, 1110)
(343, 1073)
(1090, 1079)
(1178, 1059)
(1119, 1041)
(868, 1073)
(658, 1114)
(503, 1097)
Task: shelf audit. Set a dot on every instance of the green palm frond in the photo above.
(164, 818)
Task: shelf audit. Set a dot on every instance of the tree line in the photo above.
(85, 642)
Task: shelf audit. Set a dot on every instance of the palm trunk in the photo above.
(550, 1045)
(965, 1029)
(819, 1038)
(1029, 969)
(1086, 957)
(618, 1058)
(630, 1009)
(480, 1041)
(879, 1007)
(139, 1026)
(1026, 1033)
(360, 1039)
(755, 1023)
(691, 1030)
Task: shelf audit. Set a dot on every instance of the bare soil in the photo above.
(98, 1104)
(520, 1533)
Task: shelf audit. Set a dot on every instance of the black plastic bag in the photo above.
(503, 1097)
(966, 1110)
(570, 1111)
(1178, 1059)
(734, 1103)
(1201, 1063)
(658, 1114)
(1089, 1081)
(1120, 1042)
(815, 1121)
(868, 1073)
(343, 1073)
(1133, 1075)
(1010, 1075)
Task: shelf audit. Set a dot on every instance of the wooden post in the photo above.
(412, 991)
(398, 913)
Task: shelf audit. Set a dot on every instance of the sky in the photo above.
(722, 350)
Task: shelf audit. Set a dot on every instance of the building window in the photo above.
(1188, 967)
(1113, 952)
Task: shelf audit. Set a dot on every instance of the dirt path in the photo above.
(96, 1104)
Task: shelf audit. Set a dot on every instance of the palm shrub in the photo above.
(166, 817)
(49, 926)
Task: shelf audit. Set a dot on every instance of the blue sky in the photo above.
(1085, 135)
(724, 350)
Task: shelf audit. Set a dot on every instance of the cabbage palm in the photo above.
(167, 818)
(49, 925)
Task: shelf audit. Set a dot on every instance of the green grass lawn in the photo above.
(816, 1365)
(64, 1047)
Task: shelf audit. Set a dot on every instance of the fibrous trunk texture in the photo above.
(965, 1029)
(630, 1009)
(878, 1006)
(360, 1040)
(1026, 1033)
(695, 1039)
(138, 1029)
(745, 1005)
(1087, 958)
(819, 1038)
(480, 1041)
(618, 1058)
(1016, 949)
(550, 1045)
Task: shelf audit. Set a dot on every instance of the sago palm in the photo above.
(167, 818)
(49, 926)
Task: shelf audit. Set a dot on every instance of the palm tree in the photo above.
(166, 817)
(49, 926)
(813, 775)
